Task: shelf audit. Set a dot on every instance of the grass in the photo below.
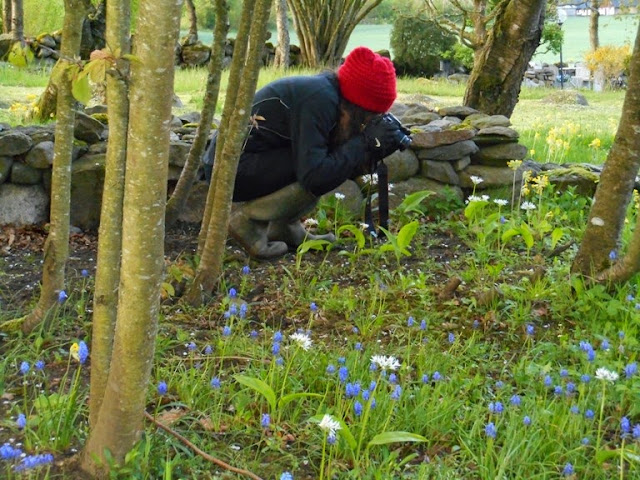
(495, 380)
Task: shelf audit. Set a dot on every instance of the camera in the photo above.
(402, 133)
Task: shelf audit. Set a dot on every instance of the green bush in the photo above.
(417, 45)
(460, 55)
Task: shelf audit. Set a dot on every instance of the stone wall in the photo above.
(449, 147)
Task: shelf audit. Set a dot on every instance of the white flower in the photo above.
(364, 226)
(328, 424)
(385, 363)
(339, 196)
(370, 178)
(474, 198)
(390, 187)
(311, 222)
(607, 375)
(476, 180)
(485, 198)
(303, 340)
(528, 206)
(500, 201)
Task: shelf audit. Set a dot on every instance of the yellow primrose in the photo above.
(514, 164)
(74, 352)
(595, 143)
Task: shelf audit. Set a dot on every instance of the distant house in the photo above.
(607, 7)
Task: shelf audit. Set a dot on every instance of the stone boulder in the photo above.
(193, 210)
(402, 165)
(418, 184)
(40, 156)
(87, 179)
(486, 121)
(88, 129)
(23, 204)
(195, 55)
(441, 171)
(457, 111)
(499, 155)
(13, 143)
(23, 174)
(5, 168)
(418, 115)
(436, 139)
(494, 135)
(353, 200)
(178, 152)
(449, 152)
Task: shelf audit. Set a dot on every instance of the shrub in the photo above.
(611, 60)
(418, 44)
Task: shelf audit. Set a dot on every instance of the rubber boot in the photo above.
(268, 226)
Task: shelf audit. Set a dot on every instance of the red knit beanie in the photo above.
(368, 80)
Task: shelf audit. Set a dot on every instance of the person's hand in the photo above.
(381, 137)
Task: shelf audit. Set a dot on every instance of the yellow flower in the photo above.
(74, 352)
(524, 191)
(532, 152)
(595, 143)
(514, 164)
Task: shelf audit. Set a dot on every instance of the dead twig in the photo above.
(449, 289)
(203, 454)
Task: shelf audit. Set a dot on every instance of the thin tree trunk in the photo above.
(119, 422)
(17, 21)
(284, 42)
(497, 75)
(105, 303)
(56, 250)
(593, 25)
(210, 267)
(193, 20)
(235, 72)
(189, 172)
(7, 17)
(615, 188)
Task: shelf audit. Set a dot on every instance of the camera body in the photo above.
(402, 134)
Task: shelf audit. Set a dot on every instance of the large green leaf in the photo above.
(394, 437)
(259, 386)
(406, 234)
(411, 203)
(81, 89)
(356, 232)
(604, 455)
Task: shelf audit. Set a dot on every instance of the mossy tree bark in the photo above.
(228, 153)
(56, 249)
(17, 20)
(119, 422)
(494, 85)
(193, 19)
(324, 28)
(284, 42)
(615, 188)
(6, 16)
(189, 172)
(105, 301)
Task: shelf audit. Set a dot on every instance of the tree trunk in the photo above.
(17, 21)
(188, 175)
(235, 72)
(593, 25)
(193, 20)
(105, 302)
(56, 250)
(119, 422)
(495, 82)
(7, 17)
(324, 28)
(606, 219)
(282, 50)
(210, 267)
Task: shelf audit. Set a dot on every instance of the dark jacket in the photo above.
(294, 118)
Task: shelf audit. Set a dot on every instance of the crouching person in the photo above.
(310, 134)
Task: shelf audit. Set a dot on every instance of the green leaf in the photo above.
(393, 437)
(20, 56)
(412, 202)
(294, 396)
(527, 236)
(474, 208)
(259, 386)
(81, 89)
(356, 232)
(509, 234)
(406, 234)
(316, 244)
(132, 58)
(604, 455)
(556, 235)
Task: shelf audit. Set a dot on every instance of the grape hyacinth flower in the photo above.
(410, 322)
(343, 374)
(564, 373)
(548, 381)
(631, 369)
(496, 408)
(589, 414)
(499, 384)
(8, 452)
(425, 378)
(192, 347)
(575, 409)
(33, 461)
(625, 426)
(526, 420)
(162, 388)
(215, 383)
(331, 369)
(530, 330)
(396, 393)
(21, 422)
(62, 296)
(452, 337)
(286, 476)
(490, 430)
(515, 400)
(567, 470)
(277, 336)
(208, 350)
(313, 307)
(233, 293)
(605, 345)
(226, 331)
(24, 368)
(585, 441)
(84, 272)
(357, 408)
(39, 365)
(636, 431)
(423, 324)
(436, 376)
(253, 334)
(358, 346)
(265, 420)
(246, 270)
(586, 378)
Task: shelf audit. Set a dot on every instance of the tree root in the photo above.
(203, 454)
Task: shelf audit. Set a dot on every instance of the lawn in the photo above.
(476, 356)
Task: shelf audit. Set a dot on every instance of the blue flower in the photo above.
(233, 293)
(243, 310)
(636, 431)
(436, 376)
(275, 348)
(246, 270)
(585, 346)
(499, 384)
(605, 345)
(83, 352)
(496, 407)
(191, 347)
(613, 255)
(396, 393)
(21, 422)
(393, 378)
(343, 374)
(313, 307)
(84, 272)
(357, 408)
(452, 337)
(621, 333)
(33, 461)
(233, 309)
(208, 350)
(410, 322)
(475, 325)
(515, 400)
(8, 452)
(162, 388)
(571, 387)
(503, 219)
(490, 430)
(348, 390)
(589, 414)
(358, 346)
(548, 381)
(226, 331)
(530, 330)
(423, 324)
(425, 378)
(286, 476)
(39, 365)
(625, 426)
(279, 361)
(332, 438)
(342, 360)
(253, 334)
(366, 394)
(564, 372)
(355, 330)
(372, 385)
(331, 369)
(557, 390)
(24, 368)
(277, 337)
(62, 296)
(265, 420)
(586, 378)
(591, 355)
(575, 410)
(585, 441)
(215, 383)
(526, 420)
(630, 369)
(567, 470)
(373, 402)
